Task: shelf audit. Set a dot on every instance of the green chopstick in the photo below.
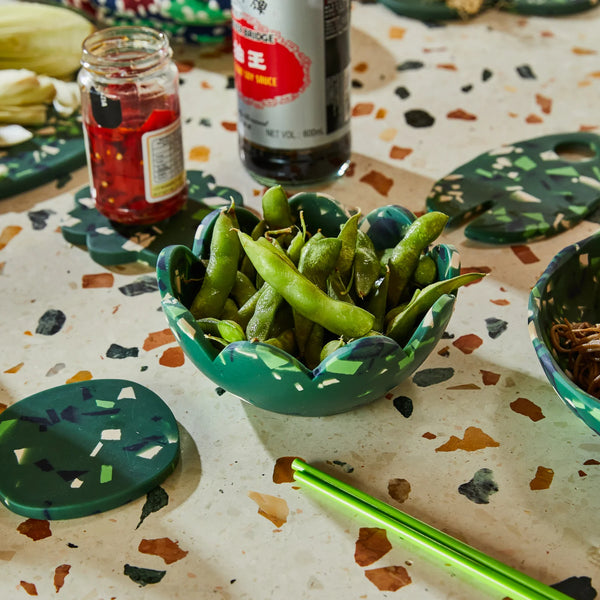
(466, 558)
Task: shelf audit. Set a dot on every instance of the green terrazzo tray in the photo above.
(109, 243)
(523, 191)
(54, 151)
(84, 448)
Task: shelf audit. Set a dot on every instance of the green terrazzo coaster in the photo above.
(84, 448)
(54, 151)
(523, 191)
(109, 243)
(547, 8)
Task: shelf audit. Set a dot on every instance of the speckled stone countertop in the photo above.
(475, 443)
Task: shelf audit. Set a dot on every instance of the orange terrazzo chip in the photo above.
(526, 407)
(158, 338)
(468, 343)
(544, 103)
(461, 114)
(542, 480)
(525, 254)
(378, 181)
(474, 439)
(371, 545)
(80, 376)
(199, 153)
(400, 153)
(60, 573)
(36, 529)
(388, 579)
(229, 125)
(172, 357)
(282, 471)
(164, 547)
(363, 108)
(8, 233)
(489, 378)
(97, 280)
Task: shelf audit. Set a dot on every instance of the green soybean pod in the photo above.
(331, 347)
(403, 324)
(366, 264)
(285, 341)
(294, 249)
(221, 269)
(348, 234)
(425, 271)
(247, 309)
(337, 289)
(314, 345)
(276, 208)
(230, 310)
(228, 330)
(260, 324)
(317, 259)
(301, 294)
(405, 256)
(243, 288)
(377, 302)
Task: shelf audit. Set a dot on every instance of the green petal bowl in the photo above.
(568, 288)
(356, 374)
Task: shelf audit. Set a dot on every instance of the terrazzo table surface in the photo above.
(476, 443)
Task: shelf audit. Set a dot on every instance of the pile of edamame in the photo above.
(309, 294)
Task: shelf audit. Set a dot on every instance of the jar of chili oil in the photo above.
(132, 127)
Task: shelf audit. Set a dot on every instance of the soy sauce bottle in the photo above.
(292, 75)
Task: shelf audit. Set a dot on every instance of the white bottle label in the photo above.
(164, 171)
(292, 71)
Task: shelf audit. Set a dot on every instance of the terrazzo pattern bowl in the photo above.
(568, 288)
(356, 374)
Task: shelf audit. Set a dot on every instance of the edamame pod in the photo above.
(340, 318)
(243, 288)
(228, 330)
(366, 264)
(348, 234)
(259, 325)
(378, 300)
(221, 269)
(405, 256)
(426, 271)
(317, 260)
(403, 324)
(276, 208)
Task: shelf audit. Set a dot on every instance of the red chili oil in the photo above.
(131, 114)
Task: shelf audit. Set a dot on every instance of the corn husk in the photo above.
(43, 38)
(33, 114)
(20, 87)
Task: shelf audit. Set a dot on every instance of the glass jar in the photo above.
(132, 127)
(292, 75)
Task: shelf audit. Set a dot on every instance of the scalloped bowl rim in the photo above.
(425, 332)
(545, 356)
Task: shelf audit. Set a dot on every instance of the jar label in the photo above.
(292, 71)
(164, 172)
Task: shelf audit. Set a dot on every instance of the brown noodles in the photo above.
(581, 343)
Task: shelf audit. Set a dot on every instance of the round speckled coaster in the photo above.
(523, 191)
(84, 448)
(109, 243)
